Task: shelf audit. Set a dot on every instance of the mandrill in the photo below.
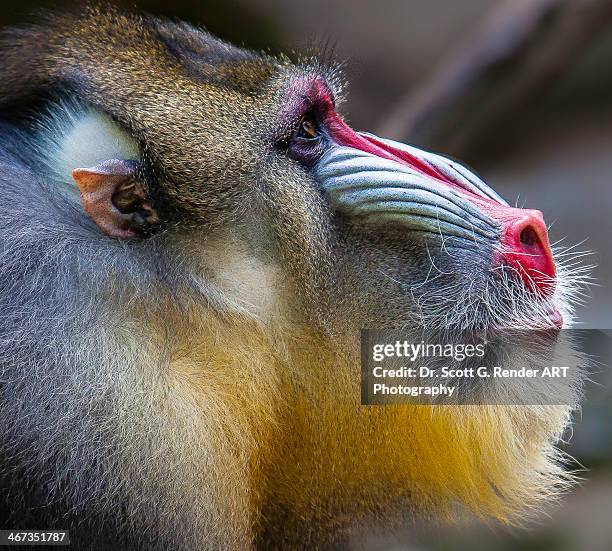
(191, 240)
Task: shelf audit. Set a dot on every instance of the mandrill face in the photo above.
(425, 237)
(373, 232)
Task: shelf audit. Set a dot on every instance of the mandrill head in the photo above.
(239, 234)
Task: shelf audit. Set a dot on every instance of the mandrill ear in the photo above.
(115, 198)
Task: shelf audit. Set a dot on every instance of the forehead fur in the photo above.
(212, 61)
(99, 52)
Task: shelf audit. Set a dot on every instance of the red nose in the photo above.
(525, 247)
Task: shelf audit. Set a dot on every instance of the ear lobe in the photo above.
(115, 199)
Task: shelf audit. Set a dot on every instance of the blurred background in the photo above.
(519, 89)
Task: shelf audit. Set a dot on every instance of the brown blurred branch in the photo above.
(518, 51)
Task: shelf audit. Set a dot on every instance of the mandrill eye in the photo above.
(307, 142)
(308, 129)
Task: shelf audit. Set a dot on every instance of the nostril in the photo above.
(529, 237)
(526, 248)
